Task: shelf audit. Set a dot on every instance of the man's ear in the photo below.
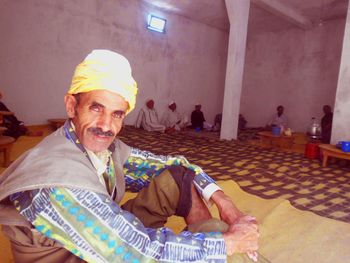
(70, 102)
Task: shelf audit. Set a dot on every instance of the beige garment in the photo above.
(173, 119)
(57, 162)
(30, 246)
(148, 120)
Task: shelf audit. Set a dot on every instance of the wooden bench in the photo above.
(329, 150)
(280, 141)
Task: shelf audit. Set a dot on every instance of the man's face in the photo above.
(280, 110)
(172, 106)
(327, 109)
(150, 104)
(98, 117)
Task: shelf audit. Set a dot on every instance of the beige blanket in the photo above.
(287, 234)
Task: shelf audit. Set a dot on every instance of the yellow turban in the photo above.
(105, 70)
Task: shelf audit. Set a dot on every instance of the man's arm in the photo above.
(141, 166)
(96, 229)
(203, 119)
(227, 210)
(285, 121)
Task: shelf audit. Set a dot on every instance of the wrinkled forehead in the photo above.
(107, 99)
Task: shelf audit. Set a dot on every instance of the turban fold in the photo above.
(105, 70)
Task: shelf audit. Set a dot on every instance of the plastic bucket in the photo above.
(276, 131)
(345, 146)
(312, 151)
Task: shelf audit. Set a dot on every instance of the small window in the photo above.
(156, 23)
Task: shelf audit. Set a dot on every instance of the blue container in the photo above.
(276, 131)
(345, 146)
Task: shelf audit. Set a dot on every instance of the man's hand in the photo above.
(242, 238)
(243, 233)
(229, 213)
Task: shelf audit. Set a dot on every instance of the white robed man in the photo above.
(148, 118)
(173, 120)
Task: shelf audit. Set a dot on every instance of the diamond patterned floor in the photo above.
(263, 172)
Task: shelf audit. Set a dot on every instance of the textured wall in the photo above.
(295, 68)
(341, 120)
(42, 42)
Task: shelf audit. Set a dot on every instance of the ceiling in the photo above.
(265, 15)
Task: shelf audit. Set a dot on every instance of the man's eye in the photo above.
(119, 114)
(95, 108)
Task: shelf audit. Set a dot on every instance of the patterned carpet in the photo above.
(249, 134)
(263, 172)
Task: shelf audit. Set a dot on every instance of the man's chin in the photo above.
(98, 146)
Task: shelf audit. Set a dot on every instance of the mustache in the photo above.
(98, 131)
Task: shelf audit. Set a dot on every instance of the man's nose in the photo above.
(105, 122)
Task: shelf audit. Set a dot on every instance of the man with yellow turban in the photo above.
(59, 201)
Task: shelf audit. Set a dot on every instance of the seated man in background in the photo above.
(279, 118)
(14, 127)
(198, 121)
(197, 117)
(217, 122)
(60, 200)
(148, 118)
(242, 122)
(326, 124)
(173, 120)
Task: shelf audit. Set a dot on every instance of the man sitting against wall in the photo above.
(173, 120)
(148, 118)
(279, 118)
(14, 127)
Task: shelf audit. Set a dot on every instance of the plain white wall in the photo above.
(43, 41)
(295, 68)
(341, 119)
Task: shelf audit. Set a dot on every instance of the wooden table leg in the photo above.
(6, 149)
(325, 158)
(7, 153)
(6, 143)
